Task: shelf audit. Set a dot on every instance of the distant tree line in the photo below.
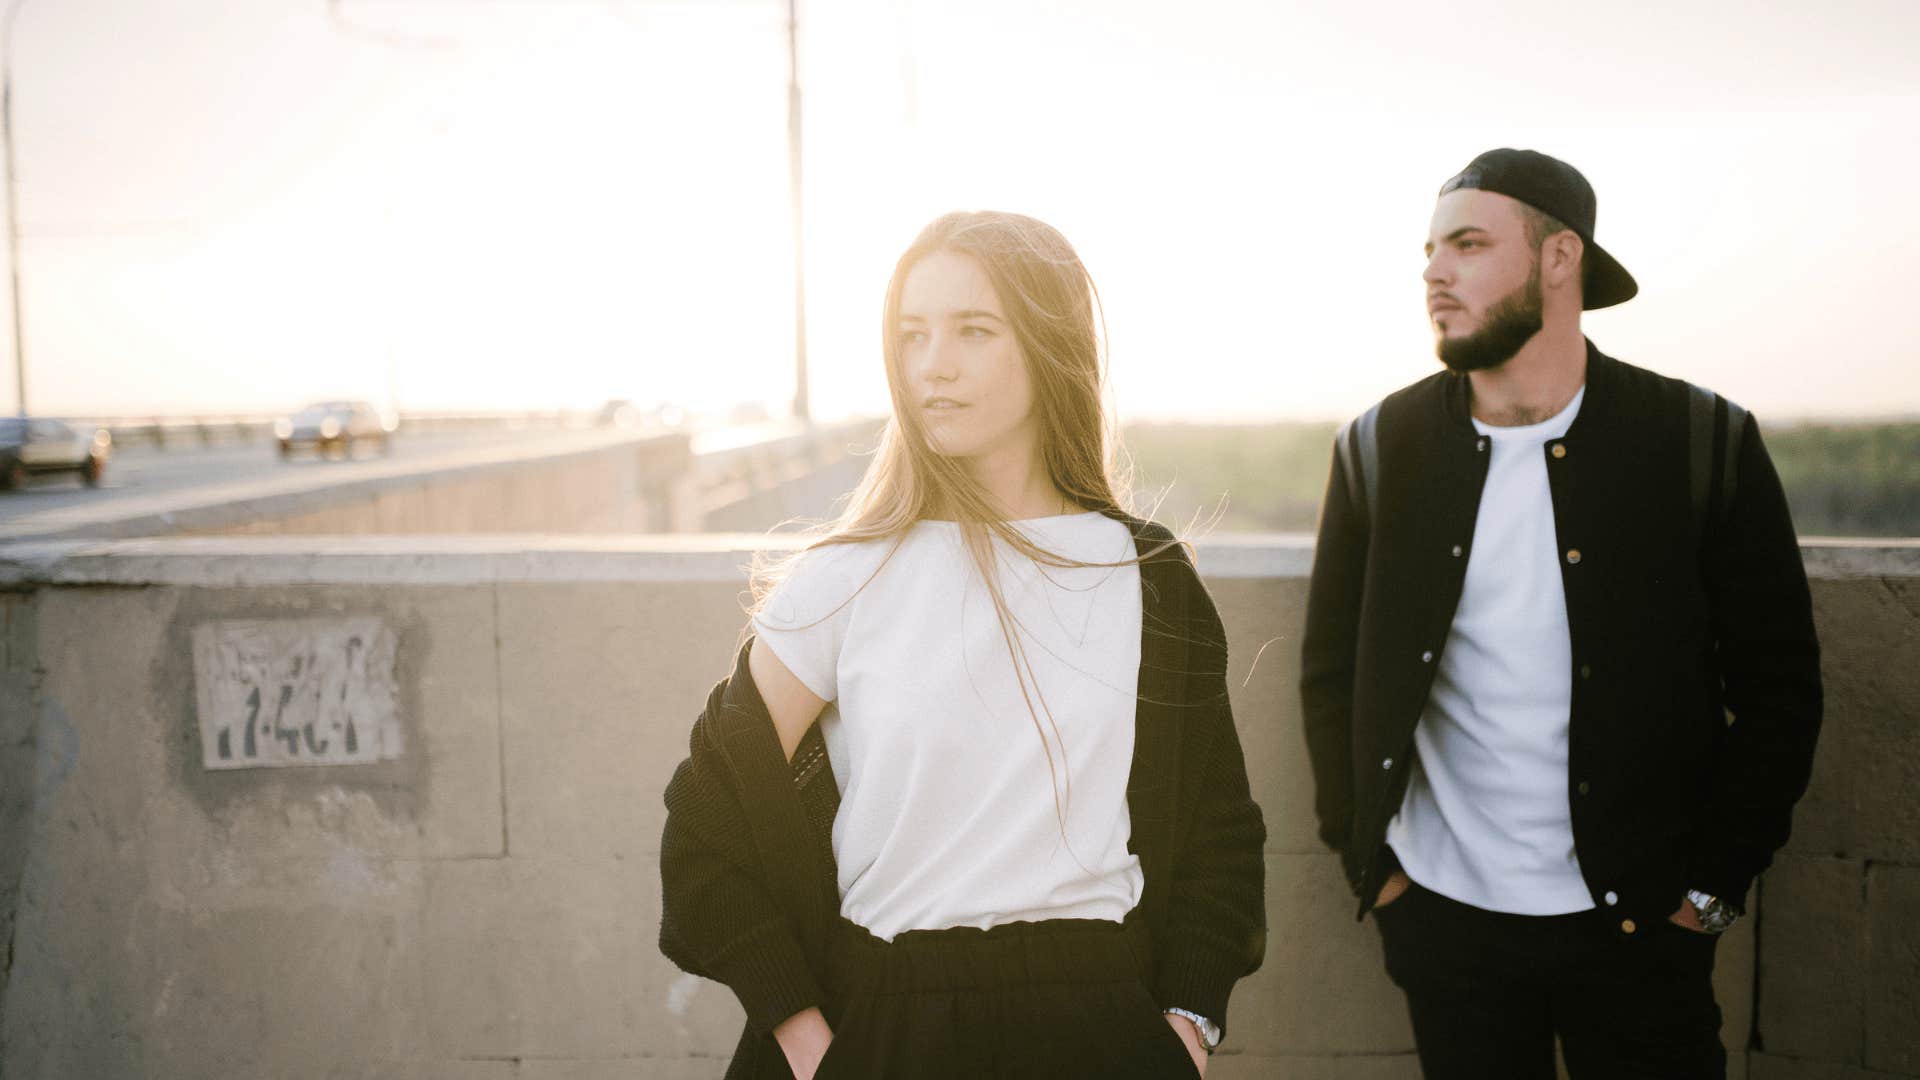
(1841, 479)
(1850, 479)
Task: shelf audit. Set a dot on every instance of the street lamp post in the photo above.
(801, 409)
(13, 212)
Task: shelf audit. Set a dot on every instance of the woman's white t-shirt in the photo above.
(947, 815)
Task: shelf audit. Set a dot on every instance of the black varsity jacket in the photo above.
(1677, 619)
(748, 882)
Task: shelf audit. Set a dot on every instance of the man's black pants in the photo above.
(1488, 992)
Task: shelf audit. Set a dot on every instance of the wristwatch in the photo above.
(1209, 1031)
(1715, 914)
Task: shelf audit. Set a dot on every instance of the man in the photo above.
(1543, 579)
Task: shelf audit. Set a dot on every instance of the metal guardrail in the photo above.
(162, 432)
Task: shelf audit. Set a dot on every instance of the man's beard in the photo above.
(1509, 324)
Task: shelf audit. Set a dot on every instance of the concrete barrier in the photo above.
(593, 480)
(486, 903)
(582, 481)
(756, 480)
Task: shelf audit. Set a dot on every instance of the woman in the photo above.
(972, 802)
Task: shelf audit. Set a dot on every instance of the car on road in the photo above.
(333, 427)
(40, 445)
(621, 413)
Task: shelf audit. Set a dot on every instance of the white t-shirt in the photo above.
(1486, 819)
(947, 817)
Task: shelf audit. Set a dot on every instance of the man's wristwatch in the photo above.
(1209, 1031)
(1715, 914)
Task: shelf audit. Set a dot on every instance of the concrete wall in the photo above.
(1839, 992)
(566, 482)
(800, 476)
(487, 905)
(569, 482)
(615, 482)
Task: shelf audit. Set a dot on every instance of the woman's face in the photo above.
(964, 372)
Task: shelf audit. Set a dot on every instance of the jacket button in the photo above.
(1387, 764)
(1559, 450)
(1458, 550)
(1612, 898)
(1586, 671)
(1481, 445)
(1573, 556)
(1583, 788)
(1427, 657)
(1627, 926)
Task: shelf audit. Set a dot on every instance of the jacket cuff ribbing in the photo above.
(1197, 974)
(1722, 876)
(768, 972)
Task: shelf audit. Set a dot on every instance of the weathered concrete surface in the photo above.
(808, 496)
(1861, 802)
(1765, 1066)
(1893, 969)
(488, 906)
(1839, 981)
(19, 761)
(597, 698)
(160, 902)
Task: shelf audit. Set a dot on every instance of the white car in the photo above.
(32, 447)
(334, 426)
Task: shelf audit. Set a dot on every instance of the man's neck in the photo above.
(1540, 380)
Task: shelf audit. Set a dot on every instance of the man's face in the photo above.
(1483, 280)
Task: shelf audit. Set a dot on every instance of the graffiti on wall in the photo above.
(296, 692)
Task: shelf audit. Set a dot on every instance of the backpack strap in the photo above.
(1358, 447)
(1736, 431)
(1703, 406)
(1715, 427)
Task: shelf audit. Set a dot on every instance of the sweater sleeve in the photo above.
(1769, 662)
(719, 919)
(1216, 928)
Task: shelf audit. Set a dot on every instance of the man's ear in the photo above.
(1560, 258)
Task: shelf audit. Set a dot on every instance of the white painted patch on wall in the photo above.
(680, 993)
(163, 1001)
(274, 693)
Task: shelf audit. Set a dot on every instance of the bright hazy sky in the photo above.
(464, 204)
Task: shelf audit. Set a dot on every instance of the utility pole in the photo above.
(802, 411)
(13, 211)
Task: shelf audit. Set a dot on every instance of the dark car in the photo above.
(30, 447)
(334, 427)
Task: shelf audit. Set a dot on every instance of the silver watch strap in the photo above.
(1716, 915)
(1209, 1031)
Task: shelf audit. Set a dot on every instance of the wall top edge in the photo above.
(705, 557)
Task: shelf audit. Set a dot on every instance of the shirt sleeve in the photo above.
(805, 618)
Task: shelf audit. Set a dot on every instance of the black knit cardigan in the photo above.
(748, 882)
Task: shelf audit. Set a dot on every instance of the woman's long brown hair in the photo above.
(1052, 306)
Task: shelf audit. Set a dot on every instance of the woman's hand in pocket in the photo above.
(804, 1038)
(1190, 1035)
